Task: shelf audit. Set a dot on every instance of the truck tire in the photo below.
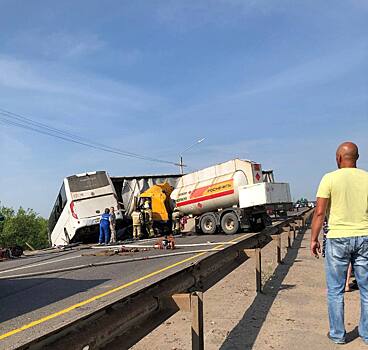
(208, 224)
(230, 223)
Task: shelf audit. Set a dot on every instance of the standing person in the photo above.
(137, 218)
(105, 227)
(175, 217)
(112, 225)
(345, 193)
(148, 218)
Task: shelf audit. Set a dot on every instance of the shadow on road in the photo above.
(245, 333)
(20, 296)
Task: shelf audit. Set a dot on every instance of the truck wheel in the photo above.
(208, 224)
(230, 223)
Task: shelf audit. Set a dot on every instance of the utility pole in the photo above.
(181, 165)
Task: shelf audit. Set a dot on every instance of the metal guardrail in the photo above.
(123, 323)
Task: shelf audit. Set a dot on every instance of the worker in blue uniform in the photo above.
(105, 227)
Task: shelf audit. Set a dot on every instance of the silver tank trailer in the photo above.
(215, 187)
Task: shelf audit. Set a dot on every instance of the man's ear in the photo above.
(338, 160)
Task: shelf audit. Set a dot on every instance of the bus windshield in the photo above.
(88, 182)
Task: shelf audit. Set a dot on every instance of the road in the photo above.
(30, 307)
(35, 306)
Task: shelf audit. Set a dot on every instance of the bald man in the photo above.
(343, 196)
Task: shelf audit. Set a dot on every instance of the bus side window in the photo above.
(60, 204)
(63, 197)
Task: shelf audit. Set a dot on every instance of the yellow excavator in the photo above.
(159, 198)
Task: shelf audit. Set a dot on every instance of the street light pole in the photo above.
(181, 164)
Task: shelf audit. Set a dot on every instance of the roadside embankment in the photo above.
(291, 313)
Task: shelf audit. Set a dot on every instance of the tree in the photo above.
(21, 227)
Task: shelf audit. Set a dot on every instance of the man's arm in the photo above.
(317, 222)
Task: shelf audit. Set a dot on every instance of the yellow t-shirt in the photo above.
(347, 189)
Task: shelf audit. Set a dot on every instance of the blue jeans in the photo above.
(339, 253)
(104, 234)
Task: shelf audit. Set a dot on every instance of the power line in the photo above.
(20, 121)
(53, 135)
(42, 126)
(32, 125)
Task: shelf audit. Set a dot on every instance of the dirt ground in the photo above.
(290, 314)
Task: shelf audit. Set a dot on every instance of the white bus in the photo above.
(81, 201)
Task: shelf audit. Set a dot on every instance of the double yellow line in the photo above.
(99, 296)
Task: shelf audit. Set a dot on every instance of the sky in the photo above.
(279, 82)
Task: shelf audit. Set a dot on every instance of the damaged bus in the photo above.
(79, 204)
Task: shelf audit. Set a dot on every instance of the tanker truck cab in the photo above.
(212, 197)
(158, 198)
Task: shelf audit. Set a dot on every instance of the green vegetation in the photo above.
(22, 226)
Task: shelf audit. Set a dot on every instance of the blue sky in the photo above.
(282, 83)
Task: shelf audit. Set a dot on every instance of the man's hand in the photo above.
(315, 248)
(317, 222)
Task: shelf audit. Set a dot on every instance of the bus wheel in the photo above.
(230, 223)
(208, 224)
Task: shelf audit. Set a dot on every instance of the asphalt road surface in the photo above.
(30, 307)
(33, 306)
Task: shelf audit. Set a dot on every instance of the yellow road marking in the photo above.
(99, 296)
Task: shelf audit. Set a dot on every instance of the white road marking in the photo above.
(40, 264)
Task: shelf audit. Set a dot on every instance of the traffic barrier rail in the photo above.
(122, 323)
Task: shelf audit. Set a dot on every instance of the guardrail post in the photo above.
(294, 230)
(278, 248)
(289, 238)
(193, 302)
(258, 269)
(197, 321)
(299, 223)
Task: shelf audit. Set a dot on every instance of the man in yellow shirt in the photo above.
(343, 196)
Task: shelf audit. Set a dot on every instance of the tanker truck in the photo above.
(230, 196)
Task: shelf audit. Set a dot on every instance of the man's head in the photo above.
(112, 210)
(107, 210)
(347, 155)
